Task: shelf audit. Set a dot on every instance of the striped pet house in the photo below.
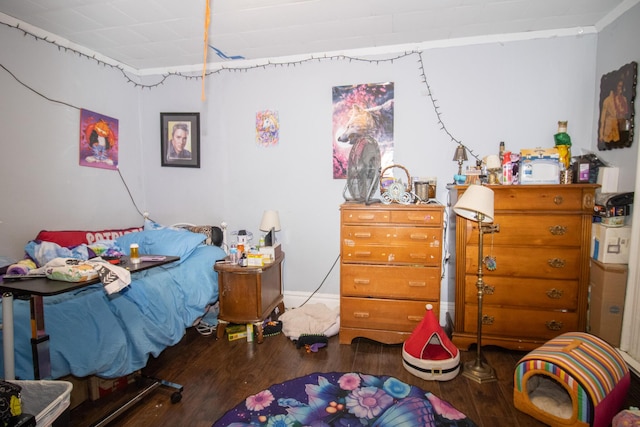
(575, 379)
(428, 353)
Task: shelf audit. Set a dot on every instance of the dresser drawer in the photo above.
(517, 322)
(397, 282)
(412, 254)
(535, 230)
(387, 314)
(524, 292)
(543, 198)
(405, 215)
(522, 261)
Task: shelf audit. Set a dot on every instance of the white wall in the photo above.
(512, 91)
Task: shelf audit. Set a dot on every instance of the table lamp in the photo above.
(476, 204)
(270, 223)
(460, 156)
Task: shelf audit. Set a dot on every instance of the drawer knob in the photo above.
(488, 320)
(489, 290)
(555, 293)
(558, 200)
(556, 262)
(554, 325)
(558, 230)
(361, 315)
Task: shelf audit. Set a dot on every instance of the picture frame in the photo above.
(617, 113)
(180, 139)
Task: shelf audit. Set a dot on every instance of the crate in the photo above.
(47, 400)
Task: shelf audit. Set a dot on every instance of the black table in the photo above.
(35, 289)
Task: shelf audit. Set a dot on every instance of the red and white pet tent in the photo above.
(428, 353)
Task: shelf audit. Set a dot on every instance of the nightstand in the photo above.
(249, 294)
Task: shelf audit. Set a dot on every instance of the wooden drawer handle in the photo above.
(361, 281)
(556, 262)
(362, 235)
(417, 284)
(362, 253)
(558, 230)
(555, 293)
(558, 200)
(422, 218)
(418, 256)
(365, 216)
(361, 315)
(488, 320)
(554, 325)
(420, 236)
(415, 318)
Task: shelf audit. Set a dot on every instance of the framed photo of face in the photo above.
(616, 120)
(180, 139)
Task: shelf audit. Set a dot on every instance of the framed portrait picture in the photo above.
(180, 135)
(617, 96)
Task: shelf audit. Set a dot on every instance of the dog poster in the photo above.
(98, 140)
(359, 110)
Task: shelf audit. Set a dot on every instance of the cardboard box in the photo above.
(608, 287)
(608, 179)
(539, 166)
(101, 387)
(80, 390)
(270, 253)
(236, 332)
(610, 245)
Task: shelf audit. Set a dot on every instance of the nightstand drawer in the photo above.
(396, 282)
(387, 314)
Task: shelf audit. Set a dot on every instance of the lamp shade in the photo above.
(460, 154)
(270, 220)
(476, 200)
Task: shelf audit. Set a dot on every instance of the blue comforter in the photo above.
(92, 333)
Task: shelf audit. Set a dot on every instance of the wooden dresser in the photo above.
(391, 267)
(539, 288)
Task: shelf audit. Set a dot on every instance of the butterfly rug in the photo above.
(343, 399)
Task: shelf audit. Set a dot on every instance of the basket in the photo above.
(384, 184)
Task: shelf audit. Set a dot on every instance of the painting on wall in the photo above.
(363, 109)
(180, 139)
(98, 140)
(617, 96)
(267, 128)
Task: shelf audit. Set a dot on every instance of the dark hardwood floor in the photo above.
(218, 374)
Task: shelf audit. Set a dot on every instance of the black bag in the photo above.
(10, 405)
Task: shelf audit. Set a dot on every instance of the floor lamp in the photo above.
(476, 204)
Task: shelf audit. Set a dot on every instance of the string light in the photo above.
(239, 68)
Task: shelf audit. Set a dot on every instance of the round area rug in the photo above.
(343, 399)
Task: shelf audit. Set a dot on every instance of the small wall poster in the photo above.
(267, 128)
(98, 140)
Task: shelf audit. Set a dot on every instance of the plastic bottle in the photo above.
(563, 144)
(507, 169)
(233, 254)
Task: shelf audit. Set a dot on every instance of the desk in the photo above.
(36, 289)
(249, 294)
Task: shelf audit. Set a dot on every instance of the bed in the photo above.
(110, 336)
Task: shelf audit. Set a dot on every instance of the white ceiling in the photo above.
(169, 34)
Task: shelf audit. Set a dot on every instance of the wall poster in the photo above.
(617, 96)
(98, 140)
(363, 109)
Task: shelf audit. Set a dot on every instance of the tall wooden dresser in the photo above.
(391, 267)
(539, 288)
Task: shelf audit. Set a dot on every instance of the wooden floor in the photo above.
(218, 374)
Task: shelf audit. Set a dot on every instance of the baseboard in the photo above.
(294, 299)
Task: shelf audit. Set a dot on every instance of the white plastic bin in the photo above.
(47, 400)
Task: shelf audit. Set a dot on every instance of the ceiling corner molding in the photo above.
(616, 13)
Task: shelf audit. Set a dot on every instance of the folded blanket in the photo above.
(22, 267)
(113, 278)
(310, 319)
